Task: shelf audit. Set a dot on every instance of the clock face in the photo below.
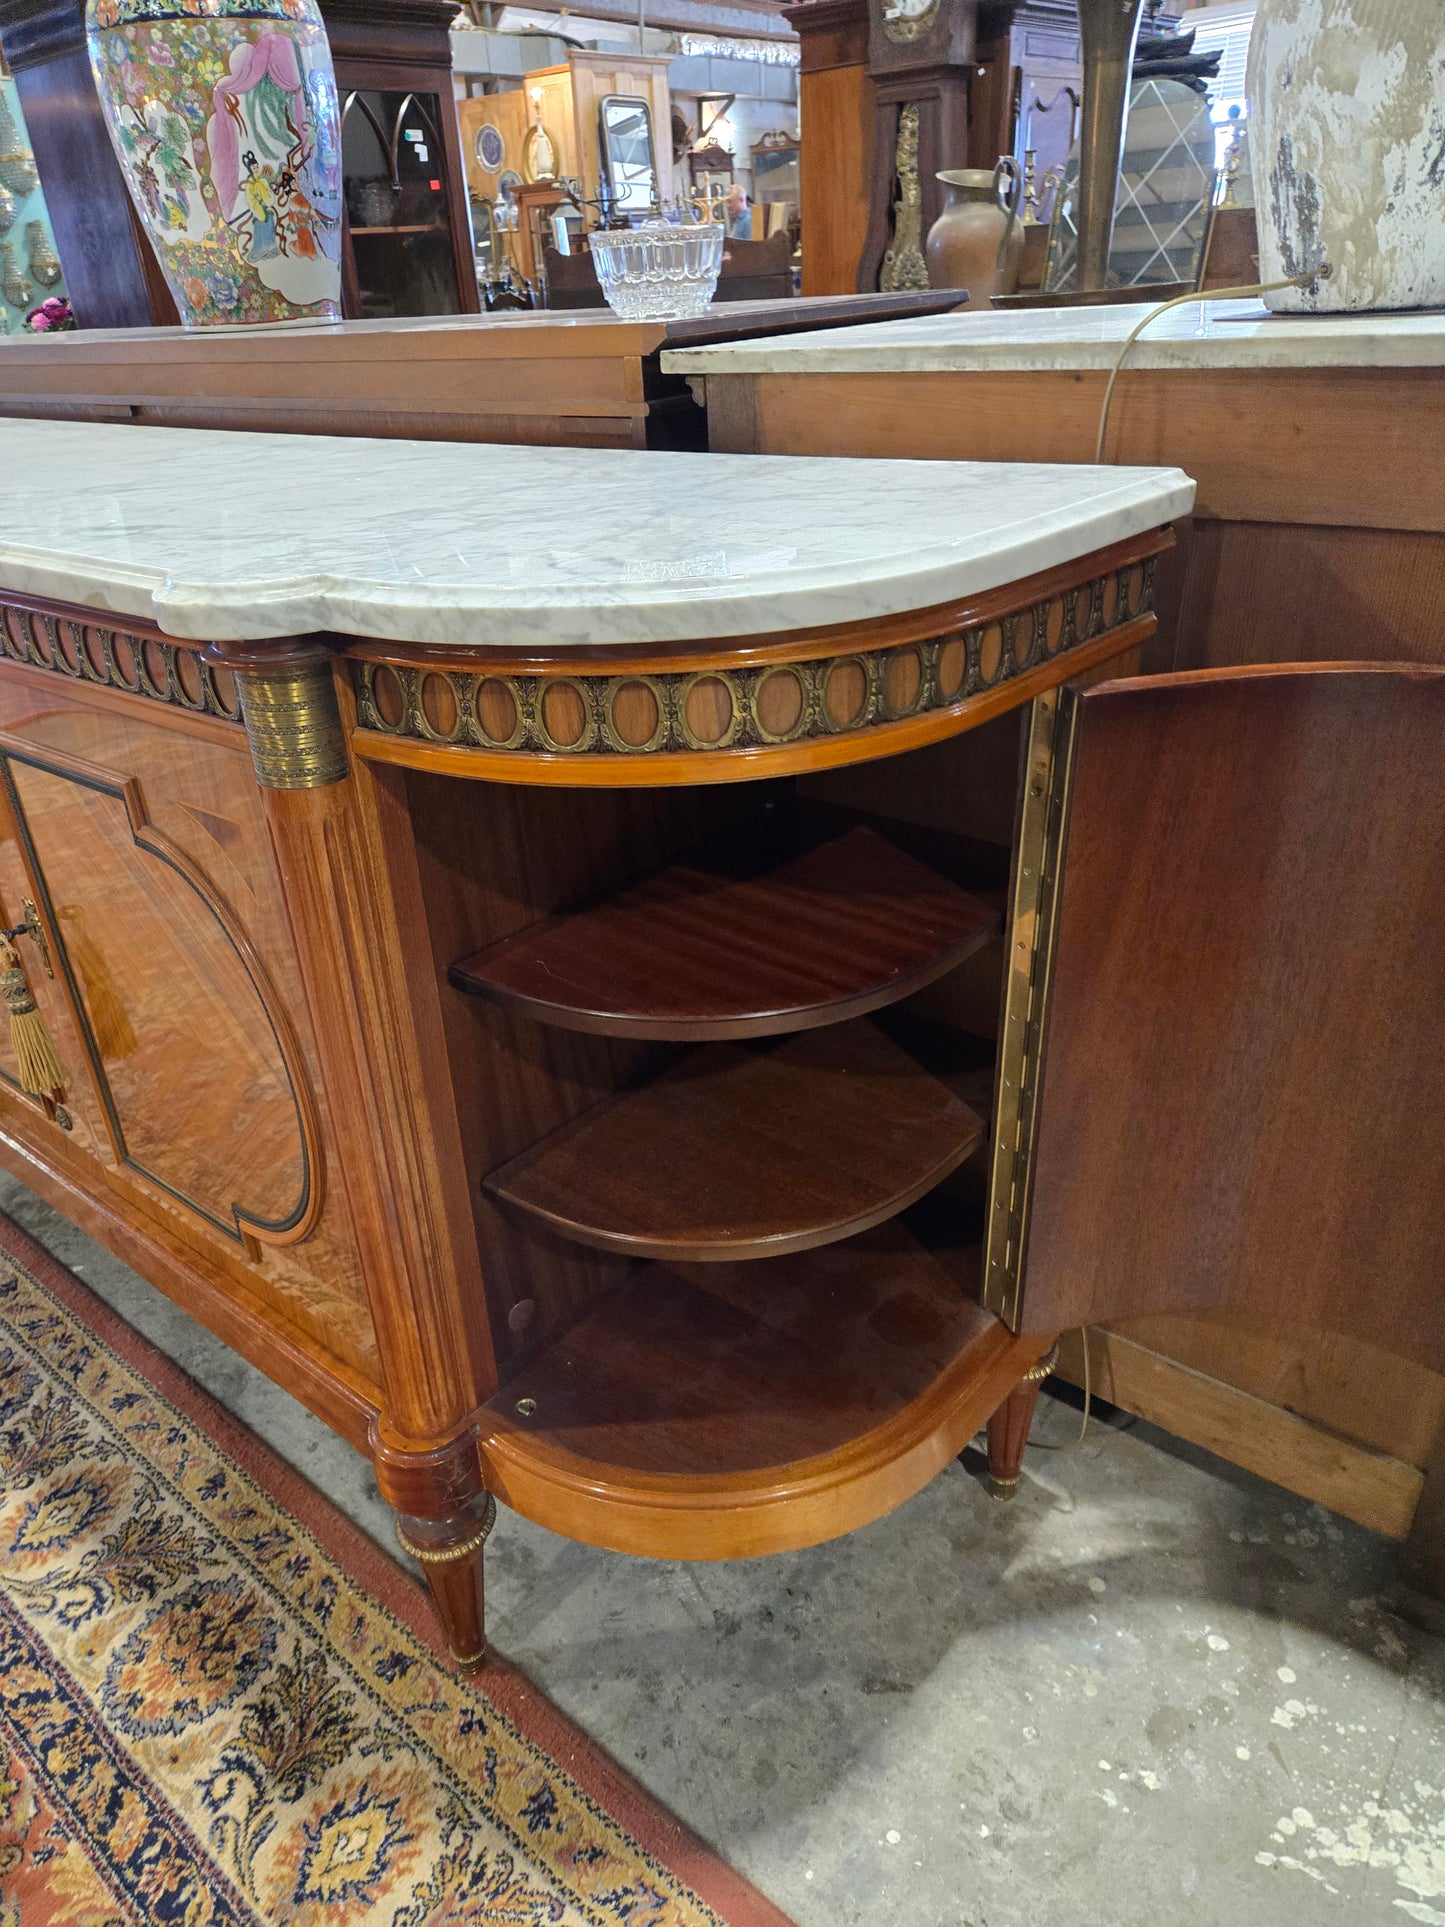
(905, 20)
(491, 148)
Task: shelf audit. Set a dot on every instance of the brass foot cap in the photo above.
(1002, 1488)
(469, 1663)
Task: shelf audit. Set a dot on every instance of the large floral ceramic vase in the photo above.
(224, 118)
(1347, 144)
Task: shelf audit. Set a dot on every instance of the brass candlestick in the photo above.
(1031, 187)
(1109, 30)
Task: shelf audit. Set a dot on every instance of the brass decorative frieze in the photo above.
(903, 264)
(113, 658)
(706, 711)
(1034, 897)
(293, 725)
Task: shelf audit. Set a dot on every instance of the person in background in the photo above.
(739, 214)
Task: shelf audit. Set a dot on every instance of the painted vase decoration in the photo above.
(44, 262)
(15, 284)
(223, 116)
(1347, 145)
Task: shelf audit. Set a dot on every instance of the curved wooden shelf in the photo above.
(724, 1411)
(695, 952)
(749, 1153)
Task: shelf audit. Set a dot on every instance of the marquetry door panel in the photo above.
(1226, 1091)
(200, 1085)
(80, 1117)
(146, 848)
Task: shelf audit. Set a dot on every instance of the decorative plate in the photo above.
(491, 148)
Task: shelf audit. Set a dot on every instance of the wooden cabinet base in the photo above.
(1298, 553)
(1369, 1487)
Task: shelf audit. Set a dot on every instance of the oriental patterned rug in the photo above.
(220, 1703)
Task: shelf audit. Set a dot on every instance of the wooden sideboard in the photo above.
(484, 1032)
(587, 379)
(539, 1002)
(1319, 537)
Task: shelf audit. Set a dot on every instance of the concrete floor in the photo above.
(1153, 1690)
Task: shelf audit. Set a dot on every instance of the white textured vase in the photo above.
(1347, 142)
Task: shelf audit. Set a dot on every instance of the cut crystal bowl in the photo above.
(658, 272)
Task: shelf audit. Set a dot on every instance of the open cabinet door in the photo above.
(1222, 1080)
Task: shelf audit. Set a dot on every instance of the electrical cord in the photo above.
(1321, 273)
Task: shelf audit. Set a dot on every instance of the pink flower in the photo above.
(51, 315)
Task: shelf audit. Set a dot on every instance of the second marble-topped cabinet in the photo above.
(1318, 535)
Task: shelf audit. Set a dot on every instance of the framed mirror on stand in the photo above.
(629, 161)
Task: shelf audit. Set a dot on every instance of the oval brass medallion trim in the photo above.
(764, 712)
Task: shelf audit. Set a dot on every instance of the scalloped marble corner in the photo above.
(238, 537)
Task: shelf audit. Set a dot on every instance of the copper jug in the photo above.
(977, 242)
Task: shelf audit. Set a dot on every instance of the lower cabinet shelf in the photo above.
(749, 1152)
(723, 1410)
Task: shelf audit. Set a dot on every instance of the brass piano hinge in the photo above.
(1033, 906)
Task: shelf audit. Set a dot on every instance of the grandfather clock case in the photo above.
(919, 54)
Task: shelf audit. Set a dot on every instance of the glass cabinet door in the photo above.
(396, 203)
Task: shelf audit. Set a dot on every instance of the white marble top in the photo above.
(239, 536)
(1226, 334)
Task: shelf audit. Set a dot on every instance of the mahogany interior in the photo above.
(749, 1153)
(696, 1369)
(706, 948)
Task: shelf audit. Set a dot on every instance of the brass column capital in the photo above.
(289, 708)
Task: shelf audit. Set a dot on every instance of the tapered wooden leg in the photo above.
(450, 1553)
(1008, 1429)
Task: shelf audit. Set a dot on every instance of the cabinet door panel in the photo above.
(86, 1130)
(205, 1104)
(1241, 1100)
(182, 1027)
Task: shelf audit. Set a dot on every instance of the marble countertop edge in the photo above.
(1236, 335)
(220, 536)
(468, 613)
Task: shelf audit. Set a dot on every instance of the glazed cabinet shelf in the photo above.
(699, 951)
(742, 1151)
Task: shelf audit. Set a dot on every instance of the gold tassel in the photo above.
(41, 1071)
(109, 1018)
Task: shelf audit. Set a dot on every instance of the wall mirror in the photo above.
(629, 166)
